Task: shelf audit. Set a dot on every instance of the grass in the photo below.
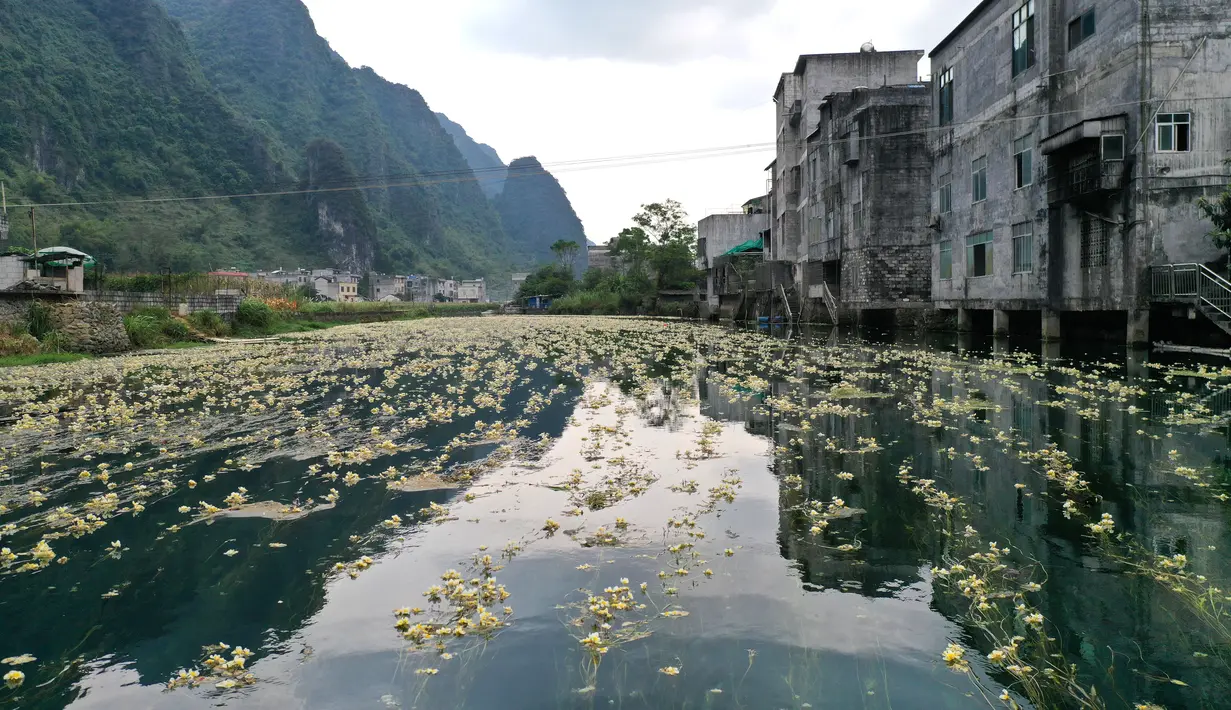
(41, 359)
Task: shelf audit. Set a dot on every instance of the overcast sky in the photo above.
(568, 80)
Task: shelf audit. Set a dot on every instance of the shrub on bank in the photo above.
(255, 313)
(144, 330)
(210, 323)
(605, 303)
(18, 344)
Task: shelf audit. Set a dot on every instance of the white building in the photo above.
(342, 287)
(472, 291)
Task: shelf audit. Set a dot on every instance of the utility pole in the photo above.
(33, 232)
(4, 214)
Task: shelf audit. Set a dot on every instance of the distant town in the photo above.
(345, 287)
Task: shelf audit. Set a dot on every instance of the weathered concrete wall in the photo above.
(127, 301)
(1134, 58)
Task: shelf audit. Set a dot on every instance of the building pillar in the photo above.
(1051, 325)
(963, 320)
(1000, 323)
(1139, 327)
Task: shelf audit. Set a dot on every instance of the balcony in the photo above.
(797, 113)
(1089, 180)
(826, 250)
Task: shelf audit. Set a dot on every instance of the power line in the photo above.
(430, 178)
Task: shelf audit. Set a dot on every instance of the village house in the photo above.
(865, 206)
(1071, 143)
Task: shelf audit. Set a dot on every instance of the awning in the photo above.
(63, 256)
(1090, 128)
(750, 245)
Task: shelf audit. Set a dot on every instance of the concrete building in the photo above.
(472, 291)
(386, 285)
(865, 206)
(600, 257)
(718, 234)
(797, 104)
(338, 287)
(299, 277)
(519, 278)
(428, 288)
(1071, 141)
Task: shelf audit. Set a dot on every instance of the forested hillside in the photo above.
(483, 159)
(536, 212)
(117, 103)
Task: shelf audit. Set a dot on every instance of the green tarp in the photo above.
(750, 245)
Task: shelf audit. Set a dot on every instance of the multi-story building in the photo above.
(472, 291)
(387, 286)
(600, 257)
(338, 287)
(1071, 141)
(429, 288)
(797, 103)
(865, 206)
(718, 235)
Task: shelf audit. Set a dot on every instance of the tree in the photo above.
(663, 241)
(1218, 211)
(566, 252)
(553, 280)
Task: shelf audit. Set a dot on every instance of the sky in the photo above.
(572, 80)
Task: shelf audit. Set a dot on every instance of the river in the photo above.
(535, 512)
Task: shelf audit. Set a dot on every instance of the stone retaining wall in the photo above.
(129, 301)
(87, 327)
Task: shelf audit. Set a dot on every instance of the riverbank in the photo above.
(33, 339)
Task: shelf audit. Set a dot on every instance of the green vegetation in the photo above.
(40, 359)
(209, 323)
(536, 213)
(254, 313)
(156, 328)
(657, 254)
(107, 102)
(1218, 212)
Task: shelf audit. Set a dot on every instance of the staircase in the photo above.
(831, 303)
(1195, 285)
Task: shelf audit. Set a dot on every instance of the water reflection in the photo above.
(852, 617)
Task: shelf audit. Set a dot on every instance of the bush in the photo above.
(144, 331)
(53, 342)
(159, 314)
(254, 313)
(209, 323)
(176, 329)
(587, 302)
(38, 319)
(24, 344)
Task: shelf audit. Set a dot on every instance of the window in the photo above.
(1113, 147)
(1023, 37)
(1023, 160)
(945, 198)
(1094, 240)
(978, 179)
(979, 255)
(1023, 248)
(946, 97)
(1173, 131)
(1081, 29)
(946, 260)
(857, 216)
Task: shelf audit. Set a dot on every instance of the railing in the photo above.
(831, 303)
(1196, 284)
(819, 251)
(1090, 178)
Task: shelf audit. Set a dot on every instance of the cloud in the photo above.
(650, 31)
